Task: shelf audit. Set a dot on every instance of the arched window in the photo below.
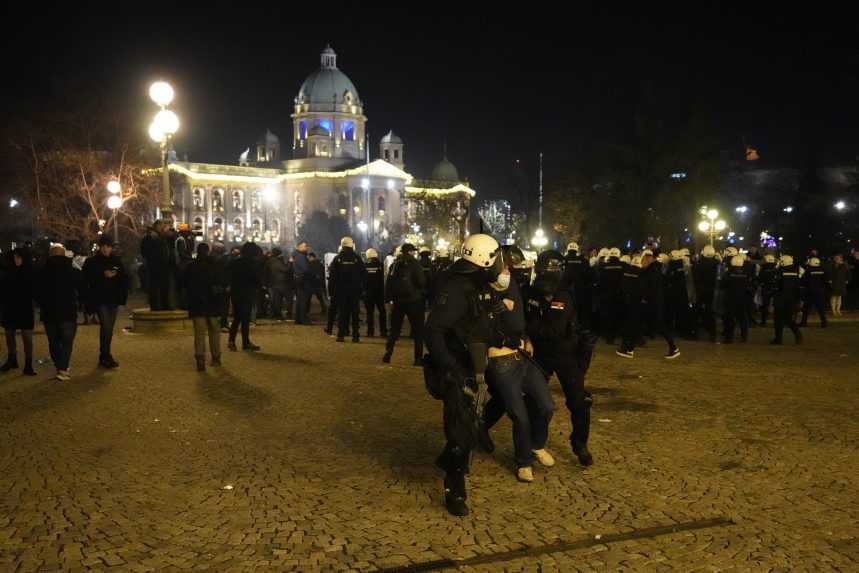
(238, 227)
(342, 205)
(238, 204)
(256, 227)
(198, 224)
(218, 227)
(218, 200)
(198, 198)
(380, 203)
(387, 154)
(275, 229)
(256, 200)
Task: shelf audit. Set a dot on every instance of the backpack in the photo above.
(399, 282)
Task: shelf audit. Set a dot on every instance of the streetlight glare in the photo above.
(167, 122)
(712, 214)
(362, 226)
(741, 209)
(114, 187)
(704, 226)
(270, 194)
(161, 93)
(720, 225)
(13, 203)
(840, 205)
(114, 202)
(365, 183)
(788, 209)
(155, 133)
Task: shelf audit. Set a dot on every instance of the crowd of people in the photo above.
(489, 328)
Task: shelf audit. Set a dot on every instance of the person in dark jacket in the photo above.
(317, 278)
(786, 299)
(374, 293)
(303, 283)
(405, 287)
(736, 285)
(17, 295)
(205, 283)
(609, 279)
(425, 259)
(704, 274)
(631, 290)
(814, 281)
(838, 277)
(222, 259)
(578, 278)
(244, 282)
(106, 290)
(58, 288)
(653, 296)
(767, 280)
(275, 279)
(289, 292)
(157, 253)
(346, 282)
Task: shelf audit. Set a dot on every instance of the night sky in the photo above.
(497, 86)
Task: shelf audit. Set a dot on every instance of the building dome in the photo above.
(328, 85)
(392, 137)
(268, 138)
(445, 171)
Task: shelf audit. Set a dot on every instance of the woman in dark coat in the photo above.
(18, 314)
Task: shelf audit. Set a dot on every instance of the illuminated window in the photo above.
(326, 123)
(347, 130)
(275, 228)
(198, 198)
(198, 224)
(256, 227)
(380, 203)
(218, 225)
(218, 200)
(256, 200)
(237, 200)
(387, 154)
(237, 225)
(302, 130)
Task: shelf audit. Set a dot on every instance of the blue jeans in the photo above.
(515, 377)
(61, 339)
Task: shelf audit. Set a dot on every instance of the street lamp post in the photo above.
(161, 130)
(115, 202)
(539, 239)
(712, 224)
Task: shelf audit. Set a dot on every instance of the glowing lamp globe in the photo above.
(114, 202)
(720, 225)
(114, 187)
(156, 134)
(712, 214)
(704, 226)
(161, 93)
(167, 122)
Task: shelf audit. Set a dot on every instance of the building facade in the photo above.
(266, 198)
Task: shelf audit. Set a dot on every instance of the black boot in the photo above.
(454, 494)
(582, 429)
(11, 363)
(28, 367)
(201, 364)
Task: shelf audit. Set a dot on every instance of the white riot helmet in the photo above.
(625, 259)
(603, 254)
(709, 251)
(347, 242)
(371, 254)
(785, 260)
(480, 250)
(614, 252)
(769, 258)
(443, 253)
(814, 262)
(425, 249)
(738, 260)
(574, 246)
(731, 252)
(636, 261)
(646, 253)
(663, 258)
(593, 261)
(684, 252)
(676, 255)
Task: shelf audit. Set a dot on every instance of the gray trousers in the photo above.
(212, 326)
(26, 336)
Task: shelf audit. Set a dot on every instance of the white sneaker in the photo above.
(525, 475)
(545, 458)
(63, 375)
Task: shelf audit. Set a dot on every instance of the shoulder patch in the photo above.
(558, 304)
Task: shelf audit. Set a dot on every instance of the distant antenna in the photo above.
(541, 191)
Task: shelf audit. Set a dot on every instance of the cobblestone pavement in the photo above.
(314, 456)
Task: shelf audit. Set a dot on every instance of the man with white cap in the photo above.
(704, 272)
(814, 281)
(347, 282)
(736, 285)
(610, 300)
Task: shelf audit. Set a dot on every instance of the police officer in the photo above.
(786, 298)
(374, 293)
(425, 259)
(631, 292)
(705, 272)
(610, 299)
(767, 281)
(457, 334)
(677, 304)
(736, 286)
(515, 261)
(347, 281)
(405, 288)
(560, 347)
(577, 276)
(653, 295)
(814, 281)
(442, 261)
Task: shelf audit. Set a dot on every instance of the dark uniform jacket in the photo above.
(346, 274)
(704, 274)
(653, 285)
(374, 281)
(551, 324)
(405, 284)
(787, 283)
(675, 282)
(736, 283)
(17, 297)
(767, 278)
(609, 278)
(814, 279)
(459, 315)
(630, 286)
